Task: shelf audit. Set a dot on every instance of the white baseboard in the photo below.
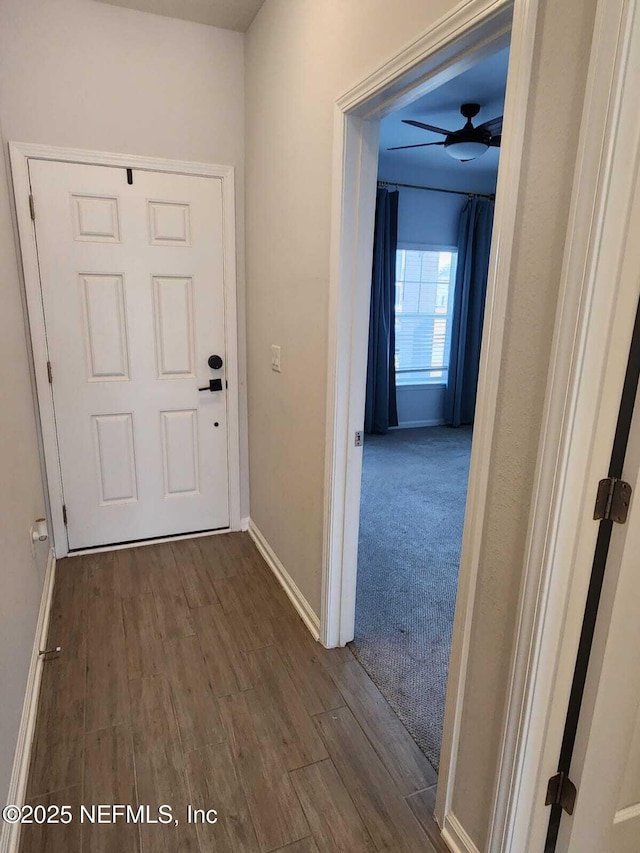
(630, 813)
(10, 835)
(415, 424)
(244, 524)
(304, 609)
(456, 837)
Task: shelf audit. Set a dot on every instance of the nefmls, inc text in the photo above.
(163, 814)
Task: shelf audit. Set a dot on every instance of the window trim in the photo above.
(424, 247)
(427, 247)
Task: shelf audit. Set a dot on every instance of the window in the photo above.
(425, 280)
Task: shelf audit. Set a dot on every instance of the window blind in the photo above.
(425, 281)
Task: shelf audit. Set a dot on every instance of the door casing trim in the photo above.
(473, 29)
(20, 153)
(593, 329)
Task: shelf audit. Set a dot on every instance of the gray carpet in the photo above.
(412, 512)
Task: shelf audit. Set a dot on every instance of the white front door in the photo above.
(132, 281)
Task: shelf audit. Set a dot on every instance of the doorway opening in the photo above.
(454, 46)
(434, 218)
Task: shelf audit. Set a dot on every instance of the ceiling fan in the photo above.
(467, 143)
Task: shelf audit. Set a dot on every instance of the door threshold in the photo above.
(139, 543)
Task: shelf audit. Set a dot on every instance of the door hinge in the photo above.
(49, 373)
(612, 500)
(32, 207)
(561, 792)
(64, 514)
(359, 438)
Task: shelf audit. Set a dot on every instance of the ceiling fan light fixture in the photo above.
(469, 142)
(465, 149)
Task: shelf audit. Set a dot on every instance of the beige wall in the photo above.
(624, 838)
(89, 75)
(300, 56)
(630, 791)
(21, 498)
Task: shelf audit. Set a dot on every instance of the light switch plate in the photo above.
(275, 358)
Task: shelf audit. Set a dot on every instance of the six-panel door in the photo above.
(132, 280)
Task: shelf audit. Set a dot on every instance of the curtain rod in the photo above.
(435, 189)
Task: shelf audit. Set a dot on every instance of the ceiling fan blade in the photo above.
(424, 126)
(422, 145)
(495, 141)
(494, 126)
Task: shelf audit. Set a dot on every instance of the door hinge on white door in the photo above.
(561, 792)
(612, 500)
(64, 514)
(49, 373)
(359, 438)
(32, 207)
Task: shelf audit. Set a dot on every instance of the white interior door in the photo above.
(606, 760)
(133, 291)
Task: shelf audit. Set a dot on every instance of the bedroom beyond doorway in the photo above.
(433, 229)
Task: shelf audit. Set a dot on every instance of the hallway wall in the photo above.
(89, 75)
(300, 57)
(21, 498)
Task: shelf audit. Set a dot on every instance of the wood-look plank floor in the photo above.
(187, 679)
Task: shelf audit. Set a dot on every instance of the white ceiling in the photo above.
(228, 14)
(483, 84)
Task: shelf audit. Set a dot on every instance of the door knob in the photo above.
(215, 362)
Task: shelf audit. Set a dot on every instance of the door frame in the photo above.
(611, 699)
(456, 42)
(592, 330)
(592, 334)
(20, 154)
